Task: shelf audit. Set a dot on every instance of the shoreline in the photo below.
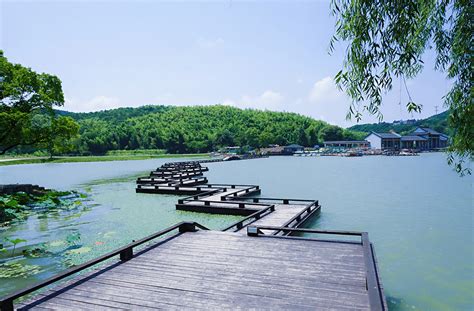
(105, 158)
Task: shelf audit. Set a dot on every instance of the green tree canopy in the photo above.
(27, 117)
(387, 39)
(195, 129)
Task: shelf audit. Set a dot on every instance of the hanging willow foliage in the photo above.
(386, 39)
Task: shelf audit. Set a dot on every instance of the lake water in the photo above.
(418, 212)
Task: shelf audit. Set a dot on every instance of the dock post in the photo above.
(252, 231)
(6, 305)
(126, 254)
(187, 227)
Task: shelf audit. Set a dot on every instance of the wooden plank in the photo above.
(215, 270)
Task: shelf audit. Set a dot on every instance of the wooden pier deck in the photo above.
(255, 263)
(203, 269)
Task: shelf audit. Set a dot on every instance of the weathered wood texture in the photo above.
(281, 215)
(219, 270)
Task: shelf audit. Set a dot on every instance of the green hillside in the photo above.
(437, 122)
(197, 129)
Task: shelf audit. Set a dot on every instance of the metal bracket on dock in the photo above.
(253, 231)
(126, 254)
(187, 227)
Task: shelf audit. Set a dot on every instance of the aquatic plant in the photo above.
(37, 251)
(73, 238)
(79, 251)
(18, 270)
(18, 206)
(15, 242)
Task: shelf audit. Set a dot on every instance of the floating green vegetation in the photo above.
(40, 250)
(18, 270)
(73, 238)
(19, 205)
(14, 242)
(79, 251)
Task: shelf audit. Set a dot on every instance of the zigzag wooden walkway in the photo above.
(226, 198)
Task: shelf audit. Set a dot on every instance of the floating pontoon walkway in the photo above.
(228, 199)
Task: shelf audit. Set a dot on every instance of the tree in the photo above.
(312, 133)
(175, 142)
(387, 39)
(302, 137)
(330, 133)
(63, 131)
(27, 117)
(226, 138)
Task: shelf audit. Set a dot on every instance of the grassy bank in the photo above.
(120, 157)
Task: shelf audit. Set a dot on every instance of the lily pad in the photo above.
(109, 234)
(73, 238)
(80, 250)
(57, 243)
(18, 270)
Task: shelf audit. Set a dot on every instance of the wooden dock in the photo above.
(227, 199)
(201, 269)
(264, 261)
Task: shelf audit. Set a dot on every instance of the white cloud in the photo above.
(97, 103)
(269, 99)
(324, 102)
(206, 43)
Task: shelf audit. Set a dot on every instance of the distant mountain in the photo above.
(437, 122)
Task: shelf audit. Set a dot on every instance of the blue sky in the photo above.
(264, 55)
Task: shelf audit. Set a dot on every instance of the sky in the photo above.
(269, 55)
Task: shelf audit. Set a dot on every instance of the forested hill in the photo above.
(197, 129)
(437, 122)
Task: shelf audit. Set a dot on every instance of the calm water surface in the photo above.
(419, 215)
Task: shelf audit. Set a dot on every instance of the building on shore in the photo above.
(413, 142)
(347, 144)
(272, 150)
(384, 141)
(422, 138)
(291, 149)
(232, 150)
(281, 150)
(434, 139)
